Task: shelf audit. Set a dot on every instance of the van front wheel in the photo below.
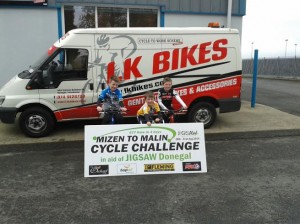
(203, 112)
(36, 122)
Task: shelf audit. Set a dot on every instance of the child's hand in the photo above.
(99, 108)
(149, 123)
(123, 109)
(157, 120)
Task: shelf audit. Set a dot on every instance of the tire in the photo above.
(36, 122)
(203, 112)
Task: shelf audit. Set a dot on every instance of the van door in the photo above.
(68, 84)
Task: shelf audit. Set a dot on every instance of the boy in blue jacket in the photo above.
(111, 97)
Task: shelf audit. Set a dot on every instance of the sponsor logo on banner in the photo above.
(159, 167)
(127, 168)
(98, 170)
(191, 166)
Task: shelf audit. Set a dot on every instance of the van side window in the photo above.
(66, 65)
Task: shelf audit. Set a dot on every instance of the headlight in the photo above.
(2, 98)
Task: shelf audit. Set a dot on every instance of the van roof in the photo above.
(155, 30)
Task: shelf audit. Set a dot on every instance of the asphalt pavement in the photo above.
(248, 180)
(247, 121)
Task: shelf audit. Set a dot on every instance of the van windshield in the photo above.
(39, 61)
(27, 74)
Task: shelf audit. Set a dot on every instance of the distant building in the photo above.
(30, 27)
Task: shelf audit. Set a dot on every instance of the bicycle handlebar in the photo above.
(174, 111)
(112, 110)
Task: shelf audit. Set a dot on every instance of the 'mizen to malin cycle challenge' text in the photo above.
(142, 143)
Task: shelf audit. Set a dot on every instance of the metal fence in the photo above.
(279, 67)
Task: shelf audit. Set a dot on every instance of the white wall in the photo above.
(185, 20)
(25, 34)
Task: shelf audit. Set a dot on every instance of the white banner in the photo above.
(135, 149)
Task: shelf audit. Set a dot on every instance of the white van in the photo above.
(204, 64)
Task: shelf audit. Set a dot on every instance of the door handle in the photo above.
(91, 86)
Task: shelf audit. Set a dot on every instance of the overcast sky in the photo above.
(267, 24)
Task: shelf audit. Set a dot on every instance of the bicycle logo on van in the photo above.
(110, 60)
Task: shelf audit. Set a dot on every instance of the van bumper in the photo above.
(230, 105)
(8, 114)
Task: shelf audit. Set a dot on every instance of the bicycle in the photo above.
(142, 120)
(112, 112)
(170, 114)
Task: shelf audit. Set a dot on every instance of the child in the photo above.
(165, 97)
(149, 107)
(111, 97)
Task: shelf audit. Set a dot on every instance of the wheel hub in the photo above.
(202, 115)
(36, 123)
